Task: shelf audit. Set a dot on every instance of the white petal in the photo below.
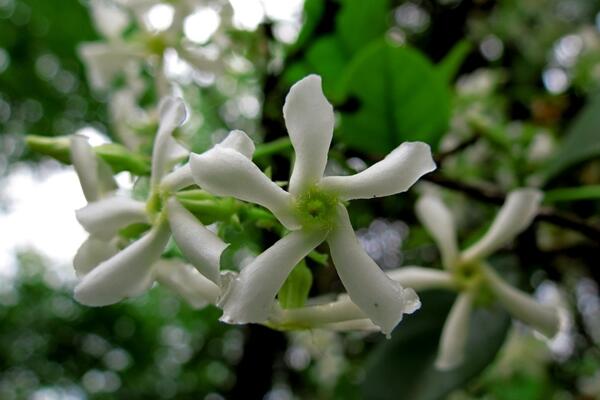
(127, 274)
(516, 214)
(104, 218)
(438, 220)
(172, 114)
(239, 141)
(380, 298)
(419, 278)
(199, 245)
(95, 176)
(251, 296)
(91, 253)
(226, 172)
(309, 120)
(187, 282)
(178, 179)
(454, 337)
(543, 318)
(396, 173)
(109, 19)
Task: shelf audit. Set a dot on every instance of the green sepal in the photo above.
(295, 290)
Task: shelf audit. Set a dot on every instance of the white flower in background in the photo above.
(163, 26)
(467, 272)
(313, 211)
(108, 274)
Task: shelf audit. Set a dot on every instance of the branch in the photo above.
(495, 196)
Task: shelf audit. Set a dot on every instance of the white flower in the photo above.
(162, 28)
(109, 275)
(467, 272)
(312, 209)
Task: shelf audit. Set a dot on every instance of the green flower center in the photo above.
(316, 208)
(470, 277)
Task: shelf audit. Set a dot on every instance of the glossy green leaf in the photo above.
(402, 367)
(360, 22)
(401, 97)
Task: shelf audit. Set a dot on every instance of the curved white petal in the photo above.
(226, 172)
(94, 176)
(438, 220)
(380, 298)
(178, 179)
(199, 245)
(309, 120)
(516, 214)
(545, 319)
(127, 274)
(105, 217)
(454, 337)
(172, 114)
(91, 253)
(250, 297)
(187, 282)
(419, 278)
(396, 173)
(239, 141)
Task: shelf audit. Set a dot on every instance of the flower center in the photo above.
(316, 208)
(468, 275)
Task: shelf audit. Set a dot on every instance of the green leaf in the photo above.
(294, 292)
(360, 22)
(572, 194)
(327, 58)
(401, 97)
(581, 141)
(450, 65)
(402, 367)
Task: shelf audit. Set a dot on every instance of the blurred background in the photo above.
(506, 92)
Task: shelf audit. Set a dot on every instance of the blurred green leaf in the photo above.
(450, 65)
(360, 22)
(581, 141)
(402, 367)
(402, 97)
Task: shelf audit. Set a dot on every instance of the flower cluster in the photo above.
(113, 266)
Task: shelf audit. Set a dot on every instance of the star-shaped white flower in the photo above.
(109, 275)
(467, 272)
(105, 59)
(313, 211)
